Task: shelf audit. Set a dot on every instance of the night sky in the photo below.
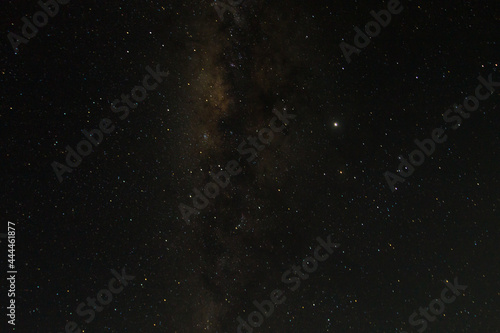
(311, 133)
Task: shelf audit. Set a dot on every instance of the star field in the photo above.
(322, 174)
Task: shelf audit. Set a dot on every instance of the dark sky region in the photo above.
(323, 174)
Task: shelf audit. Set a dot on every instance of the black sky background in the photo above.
(119, 208)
